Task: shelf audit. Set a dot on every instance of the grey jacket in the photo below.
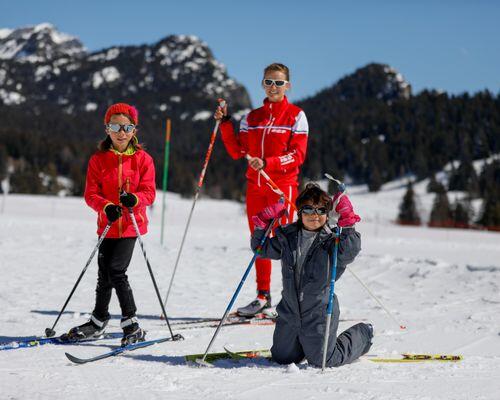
(311, 296)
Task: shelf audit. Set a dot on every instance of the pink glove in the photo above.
(347, 217)
(277, 210)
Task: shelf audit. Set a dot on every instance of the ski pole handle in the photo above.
(273, 185)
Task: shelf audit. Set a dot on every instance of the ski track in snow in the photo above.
(442, 284)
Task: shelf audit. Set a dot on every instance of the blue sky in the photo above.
(447, 45)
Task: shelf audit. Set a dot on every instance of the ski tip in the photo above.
(202, 363)
(74, 359)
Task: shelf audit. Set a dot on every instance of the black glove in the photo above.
(128, 199)
(113, 212)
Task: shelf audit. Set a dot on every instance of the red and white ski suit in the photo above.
(276, 133)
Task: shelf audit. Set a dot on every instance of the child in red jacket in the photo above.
(120, 175)
(275, 138)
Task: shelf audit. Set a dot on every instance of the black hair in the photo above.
(313, 193)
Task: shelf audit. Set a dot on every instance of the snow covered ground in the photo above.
(442, 284)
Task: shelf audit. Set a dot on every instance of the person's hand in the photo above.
(220, 112)
(256, 163)
(343, 207)
(113, 212)
(269, 213)
(128, 199)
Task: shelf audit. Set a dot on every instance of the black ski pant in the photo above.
(113, 260)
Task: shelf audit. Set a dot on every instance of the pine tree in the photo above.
(465, 179)
(441, 214)
(375, 180)
(461, 214)
(490, 211)
(408, 214)
(434, 186)
(3, 162)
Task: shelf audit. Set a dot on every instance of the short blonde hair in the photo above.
(278, 67)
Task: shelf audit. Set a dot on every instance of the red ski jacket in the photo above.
(275, 132)
(108, 173)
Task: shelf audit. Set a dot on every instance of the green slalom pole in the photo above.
(165, 175)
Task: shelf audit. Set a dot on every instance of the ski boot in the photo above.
(91, 329)
(262, 302)
(132, 332)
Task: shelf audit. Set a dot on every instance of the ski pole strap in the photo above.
(258, 250)
(338, 230)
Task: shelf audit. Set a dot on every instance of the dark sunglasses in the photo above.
(270, 82)
(127, 128)
(310, 210)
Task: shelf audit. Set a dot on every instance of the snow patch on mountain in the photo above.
(4, 32)
(202, 115)
(395, 78)
(105, 55)
(11, 98)
(90, 107)
(38, 43)
(108, 75)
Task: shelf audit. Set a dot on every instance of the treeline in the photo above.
(366, 129)
(460, 213)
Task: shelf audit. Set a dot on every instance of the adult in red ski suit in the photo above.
(120, 176)
(275, 137)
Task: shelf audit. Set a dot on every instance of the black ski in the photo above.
(117, 351)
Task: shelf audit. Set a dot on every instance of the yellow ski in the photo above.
(406, 358)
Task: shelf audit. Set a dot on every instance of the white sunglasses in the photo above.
(277, 83)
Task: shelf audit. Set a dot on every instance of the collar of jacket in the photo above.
(275, 108)
(325, 233)
(130, 150)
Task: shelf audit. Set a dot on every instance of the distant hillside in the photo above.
(368, 127)
(53, 95)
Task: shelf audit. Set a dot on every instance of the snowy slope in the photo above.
(443, 284)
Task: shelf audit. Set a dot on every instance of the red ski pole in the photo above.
(274, 187)
(222, 104)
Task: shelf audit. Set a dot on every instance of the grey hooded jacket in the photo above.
(300, 326)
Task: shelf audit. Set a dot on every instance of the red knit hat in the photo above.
(122, 108)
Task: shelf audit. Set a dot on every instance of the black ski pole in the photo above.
(134, 222)
(49, 332)
(202, 361)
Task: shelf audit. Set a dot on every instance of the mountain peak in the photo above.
(376, 81)
(38, 43)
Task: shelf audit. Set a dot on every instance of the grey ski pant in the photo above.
(293, 345)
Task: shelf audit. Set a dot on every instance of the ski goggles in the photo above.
(115, 128)
(277, 83)
(310, 210)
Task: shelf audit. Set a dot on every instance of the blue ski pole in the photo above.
(202, 361)
(329, 310)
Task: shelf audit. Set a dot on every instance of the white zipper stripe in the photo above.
(268, 126)
(289, 128)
